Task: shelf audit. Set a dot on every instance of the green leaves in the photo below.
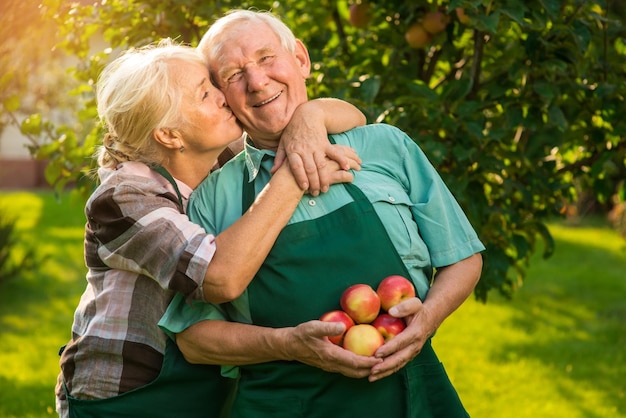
(513, 106)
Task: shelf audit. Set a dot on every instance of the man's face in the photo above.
(262, 81)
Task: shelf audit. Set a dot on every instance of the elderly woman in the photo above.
(166, 125)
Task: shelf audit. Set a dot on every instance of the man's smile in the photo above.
(264, 102)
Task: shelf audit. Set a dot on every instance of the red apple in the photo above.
(388, 326)
(393, 290)
(363, 339)
(435, 22)
(338, 316)
(417, 37)
(361, 302)
(360, 14)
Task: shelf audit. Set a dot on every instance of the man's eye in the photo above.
(234, 77)
(266, 58)
(205, 95)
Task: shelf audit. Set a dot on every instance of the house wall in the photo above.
(18, 170)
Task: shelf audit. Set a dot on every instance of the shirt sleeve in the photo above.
(180, 315)
(139, 230)
(443, 225)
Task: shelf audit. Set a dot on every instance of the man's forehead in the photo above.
(242, 55)
(248, 39)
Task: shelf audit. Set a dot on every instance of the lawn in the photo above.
(558, 349)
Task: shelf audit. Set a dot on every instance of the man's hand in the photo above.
(304, 142)
(403, 348)
(451, 287)
(309, 344)
(308, 161)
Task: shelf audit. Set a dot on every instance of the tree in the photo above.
(517, 103)
(31, 79)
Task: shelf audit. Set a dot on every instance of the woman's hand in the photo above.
(304, 142)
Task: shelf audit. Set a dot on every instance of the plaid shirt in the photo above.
(140, 250)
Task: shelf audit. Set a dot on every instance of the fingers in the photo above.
(352, 365)
(319, 329)
(299, 173)
(354, 164)
(391, 364)
(341, 177)
(406, 307)
(323, 174)
(311, 169)
(306, 170)
(316, 350)
(281, 155)
(400, 342)
(344, 155)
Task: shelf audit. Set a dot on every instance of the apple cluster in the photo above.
(364, 314)
(422, 32)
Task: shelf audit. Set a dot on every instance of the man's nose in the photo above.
(257, 78)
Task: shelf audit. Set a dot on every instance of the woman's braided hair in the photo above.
(136, 94)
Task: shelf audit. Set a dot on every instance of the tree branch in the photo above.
(585, 162)
(479, 44)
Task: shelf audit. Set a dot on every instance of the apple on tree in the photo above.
(361, 302)
(338, 316)
(435, 22)
(360, 14)
(417, 37)
(393, 290)
(363, 339)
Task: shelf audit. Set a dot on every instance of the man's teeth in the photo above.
(268, 100)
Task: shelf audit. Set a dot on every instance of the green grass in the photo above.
(36, 309)
(558, 349)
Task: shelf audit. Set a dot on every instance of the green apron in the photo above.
(304, 275)
(181, 389)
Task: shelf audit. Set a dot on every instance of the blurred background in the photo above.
(517, 103)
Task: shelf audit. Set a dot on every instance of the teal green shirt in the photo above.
(421, 216)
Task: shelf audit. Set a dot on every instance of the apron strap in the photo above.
(249, 193)
(162, 171)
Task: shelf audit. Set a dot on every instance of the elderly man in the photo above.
(397, 217)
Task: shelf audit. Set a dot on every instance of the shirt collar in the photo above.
(254, 158)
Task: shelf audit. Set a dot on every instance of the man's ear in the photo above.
(302, 56)
(169, 138)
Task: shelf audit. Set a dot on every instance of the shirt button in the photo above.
(392, 199)
(312, 202)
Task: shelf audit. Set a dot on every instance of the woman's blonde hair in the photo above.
(212, 43)
(136, 94)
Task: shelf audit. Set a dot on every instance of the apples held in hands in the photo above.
(388, 326)
(393, 290)
(361, 302)
(367, 328)
(338, 316)
(363, 339)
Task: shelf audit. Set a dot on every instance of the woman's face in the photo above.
(208, 123)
